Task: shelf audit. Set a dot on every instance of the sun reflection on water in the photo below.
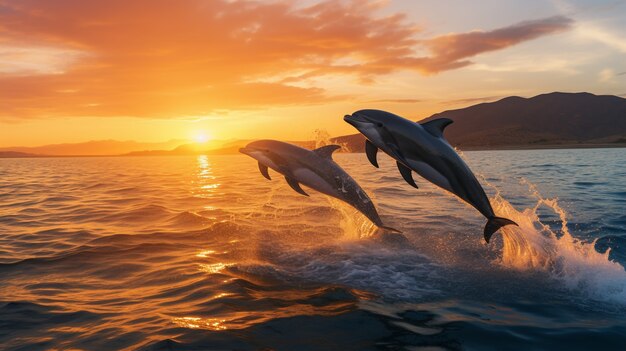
(214, 268)
(220, 295)
(206, 180)
(200, 323)
(205, 253)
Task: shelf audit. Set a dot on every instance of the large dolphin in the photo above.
(315, 169)
(423, 149)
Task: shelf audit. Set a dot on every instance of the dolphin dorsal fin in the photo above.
(436, 126)
(327, 151)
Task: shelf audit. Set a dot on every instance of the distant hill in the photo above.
(93, 148)
(15, 154)
(229, 148)
(547, 120)
(555, 118)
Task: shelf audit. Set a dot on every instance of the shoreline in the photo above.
(542, 147)
(466, 148)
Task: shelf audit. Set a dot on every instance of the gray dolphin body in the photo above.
(423, 149)
(315, 169)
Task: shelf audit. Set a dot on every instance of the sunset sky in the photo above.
(156, 70)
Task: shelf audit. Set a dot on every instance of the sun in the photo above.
(201, 137)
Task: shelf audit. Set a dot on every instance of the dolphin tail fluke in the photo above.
(390, 229)
(495, 223)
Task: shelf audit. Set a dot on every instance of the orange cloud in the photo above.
(162, 59)
(452, 50)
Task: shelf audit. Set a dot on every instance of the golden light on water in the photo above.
(205, 253)
(245, 319)
(214, 268)
(220, 295)
(206, 185)
(200, 323)
(205, 166)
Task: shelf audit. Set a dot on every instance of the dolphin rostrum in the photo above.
(423, 149)
(315, 169)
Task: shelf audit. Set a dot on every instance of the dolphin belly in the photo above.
(313, 180)
(429, 173)
(266, 161)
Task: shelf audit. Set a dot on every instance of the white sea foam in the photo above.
(576, 263)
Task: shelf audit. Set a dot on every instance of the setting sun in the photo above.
(201, 137)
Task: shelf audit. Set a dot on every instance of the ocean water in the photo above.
(203, 253)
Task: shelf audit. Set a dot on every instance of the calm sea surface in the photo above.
(203, 253)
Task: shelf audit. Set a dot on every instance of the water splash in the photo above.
(323, 138)
(535, 246)
(353, 224)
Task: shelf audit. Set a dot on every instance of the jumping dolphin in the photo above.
(315, 169)
(423, 149)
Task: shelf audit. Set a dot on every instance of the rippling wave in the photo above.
(203, 252)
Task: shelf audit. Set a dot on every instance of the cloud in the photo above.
(606, 75)
(471, 101)
(528, 63)
(454, 50)
(593, 32)
(25, 60)
(165, 59)
(397, 101)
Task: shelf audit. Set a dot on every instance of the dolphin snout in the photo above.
(351, 120)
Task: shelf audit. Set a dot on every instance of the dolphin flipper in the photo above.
(371, 150)
(295, 186)
(493, 224)
(407, 174)
(264, 172)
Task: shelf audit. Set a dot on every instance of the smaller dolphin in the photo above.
(423, 149)
(315, 169)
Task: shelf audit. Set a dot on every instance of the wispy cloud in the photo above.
(453, 50)
(166, 59)
(599, 34)
(608, 75)
(396, 101)
(32, 60)
(469, 101)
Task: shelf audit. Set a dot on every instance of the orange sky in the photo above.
(156, 70)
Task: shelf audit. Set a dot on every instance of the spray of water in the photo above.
(534, 246)
(353, 224)
(323, 138)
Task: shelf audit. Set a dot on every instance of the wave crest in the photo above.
(535, 246)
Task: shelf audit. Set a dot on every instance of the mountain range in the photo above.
(554, 120)
(544, 121)
(91, 148)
